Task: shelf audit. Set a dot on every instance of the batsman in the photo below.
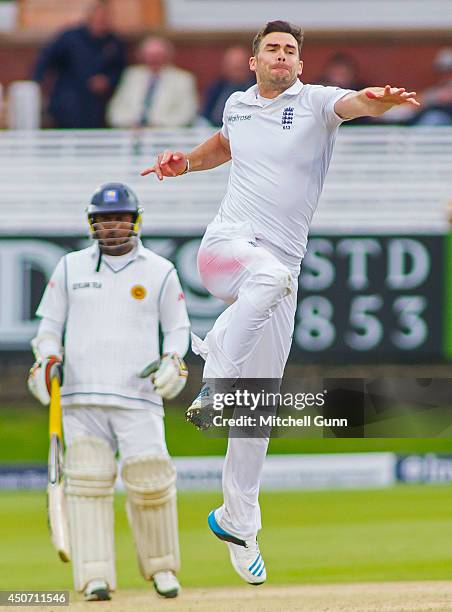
(99, 337)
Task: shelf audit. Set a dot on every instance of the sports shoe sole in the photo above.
(98, 595)
(221, 533)
(166, 594)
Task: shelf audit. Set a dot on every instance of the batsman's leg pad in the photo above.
(151, 507)
(90, 471)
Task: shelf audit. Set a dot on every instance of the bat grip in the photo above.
(55, 409)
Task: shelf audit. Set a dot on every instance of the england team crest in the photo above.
(287, 118)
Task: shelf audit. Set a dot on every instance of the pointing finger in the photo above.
(147, 171)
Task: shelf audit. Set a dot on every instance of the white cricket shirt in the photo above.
(281, 151)
(111, 320)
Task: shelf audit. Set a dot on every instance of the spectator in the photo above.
(341, 70)
(236, 77)
(437, 100)
(154, 93)
(87, 62)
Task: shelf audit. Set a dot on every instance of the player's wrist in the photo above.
(187, 167)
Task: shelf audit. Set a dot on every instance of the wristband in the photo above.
(187, 168)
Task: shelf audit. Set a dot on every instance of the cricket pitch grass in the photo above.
(379, 550)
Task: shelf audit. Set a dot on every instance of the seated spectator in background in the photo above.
(154, 93)
(437, 100)
(341, 70)
(87, 63)
(236, 76)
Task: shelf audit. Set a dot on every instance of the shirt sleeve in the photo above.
(176, 341)
(172, 308)
(115, 61)
(48, 58)
(323, 100)
(224, 128)
(54, 302)
(48, 339)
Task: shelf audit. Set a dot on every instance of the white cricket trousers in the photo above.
(250, 339)
(131, 432)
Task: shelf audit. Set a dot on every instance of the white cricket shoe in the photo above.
(245, 555)
(97, 590)
(248, 562)
(166, 584)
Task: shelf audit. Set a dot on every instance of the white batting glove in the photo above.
(41, 373)
(169, 375)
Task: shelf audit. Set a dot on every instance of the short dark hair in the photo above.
(278, 26)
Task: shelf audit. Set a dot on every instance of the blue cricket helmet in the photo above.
(114, 238)
(113, 198)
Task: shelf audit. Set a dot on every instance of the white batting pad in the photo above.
(151, 507)
(90, 471)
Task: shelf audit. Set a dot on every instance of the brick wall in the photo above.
(405, 62)
(51, 15)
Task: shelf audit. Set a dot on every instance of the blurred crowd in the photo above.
(87, 83)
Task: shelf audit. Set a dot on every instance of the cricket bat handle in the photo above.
(55, 409)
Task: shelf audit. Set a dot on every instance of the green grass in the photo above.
(402, 533)
(24, 438)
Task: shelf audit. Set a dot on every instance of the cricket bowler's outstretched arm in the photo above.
(209, 154)
(373, 101)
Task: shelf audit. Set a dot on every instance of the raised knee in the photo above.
(275, 282)
(283, 282)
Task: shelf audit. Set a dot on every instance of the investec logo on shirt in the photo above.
(232, 118)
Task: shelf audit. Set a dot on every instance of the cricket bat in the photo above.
(56, 503)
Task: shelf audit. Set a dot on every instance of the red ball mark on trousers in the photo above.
(212, 265)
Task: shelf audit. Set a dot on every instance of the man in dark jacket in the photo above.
(236, 76)
(87, 63)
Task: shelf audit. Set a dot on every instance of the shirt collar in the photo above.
(140, 250)
(250, 98)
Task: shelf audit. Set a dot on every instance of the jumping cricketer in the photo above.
(279, 135)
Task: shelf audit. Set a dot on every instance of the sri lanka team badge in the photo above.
(138, 292)
(287, 118)
(111, 195)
